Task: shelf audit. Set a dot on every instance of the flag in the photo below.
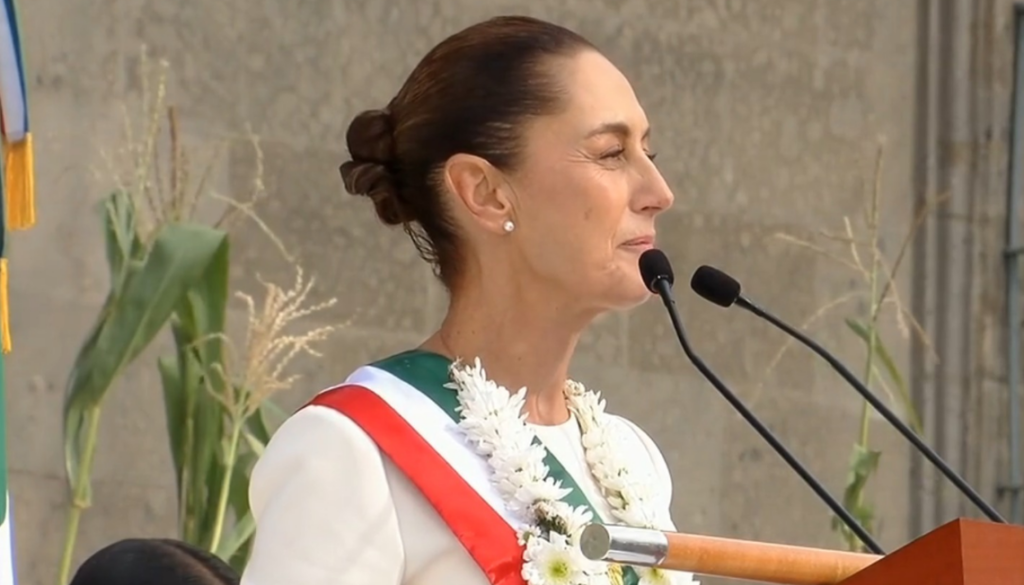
(18, 182)
(18, 179)
(17, 211)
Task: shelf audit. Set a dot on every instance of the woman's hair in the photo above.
(470, 94)
(153, 561)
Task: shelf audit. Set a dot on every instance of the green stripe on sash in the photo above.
(428, 373)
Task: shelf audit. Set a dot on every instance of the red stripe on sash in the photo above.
(485, 535)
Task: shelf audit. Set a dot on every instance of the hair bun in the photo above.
(373, 180)
(371, 144)
(371, 137)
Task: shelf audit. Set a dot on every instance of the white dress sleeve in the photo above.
(662, 478)
(663, 496)
(323, 507)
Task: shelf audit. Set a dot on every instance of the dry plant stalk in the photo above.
(259, 370)
(256, 373)
(889, 296)
(865, 258)
(164, 195)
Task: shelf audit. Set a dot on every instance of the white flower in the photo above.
(633, 516)
(528, 532)
(655, 576)
(552, 562)
(577, 520)
(494, 425)
(594, 438)
(546, 490)
(572, 519)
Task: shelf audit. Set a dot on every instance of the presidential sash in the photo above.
(403, 405)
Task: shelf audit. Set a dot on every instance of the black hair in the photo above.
(154, 561)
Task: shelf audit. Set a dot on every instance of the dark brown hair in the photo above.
(470, 94)
(156, 561)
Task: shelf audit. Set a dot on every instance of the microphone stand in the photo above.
(878, 405)
(664, 289)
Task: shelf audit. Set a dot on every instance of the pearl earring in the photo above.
(509, 226)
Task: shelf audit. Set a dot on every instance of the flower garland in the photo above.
(494, 423)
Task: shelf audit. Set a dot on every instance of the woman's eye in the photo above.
(619, 153)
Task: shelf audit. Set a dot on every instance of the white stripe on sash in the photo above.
(438, 429)
(6, 547)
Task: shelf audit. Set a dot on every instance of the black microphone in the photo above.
(725, 291)
(657, 274)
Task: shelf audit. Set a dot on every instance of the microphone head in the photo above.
(654, 267)
(715, 286)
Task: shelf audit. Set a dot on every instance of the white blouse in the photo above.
(331, 510)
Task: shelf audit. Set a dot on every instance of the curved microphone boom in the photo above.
(723, 290)
(656, 271)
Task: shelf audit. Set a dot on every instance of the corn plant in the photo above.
(169, 272)
(148, 284)
(219, 415)
(865, 258)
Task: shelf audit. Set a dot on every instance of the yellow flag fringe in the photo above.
(19, 183)
(5, 316)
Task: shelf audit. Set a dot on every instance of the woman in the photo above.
(153, 561)
(517, 158)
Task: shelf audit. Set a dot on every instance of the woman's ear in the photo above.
(481, 189)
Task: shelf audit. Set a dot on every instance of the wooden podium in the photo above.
(962, 552)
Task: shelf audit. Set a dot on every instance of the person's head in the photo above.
(153, 561)
(515, 147)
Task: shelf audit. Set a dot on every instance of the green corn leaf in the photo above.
(234, 546)
(203, 313)
(201, 317)
(862, 465)
(906, 403)
(171, 380)
(239, 492)
(121, 236)
(132, 316)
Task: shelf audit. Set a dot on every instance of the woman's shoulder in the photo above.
(322, 425)
(314, 422)
(320, 476)
(316, 442)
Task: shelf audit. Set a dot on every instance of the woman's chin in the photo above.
(622, 292)
(629, 297)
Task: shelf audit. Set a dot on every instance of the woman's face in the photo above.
(587, 191)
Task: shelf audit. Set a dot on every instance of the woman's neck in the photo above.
(520, 341)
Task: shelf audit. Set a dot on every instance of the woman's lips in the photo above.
(643, 242)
